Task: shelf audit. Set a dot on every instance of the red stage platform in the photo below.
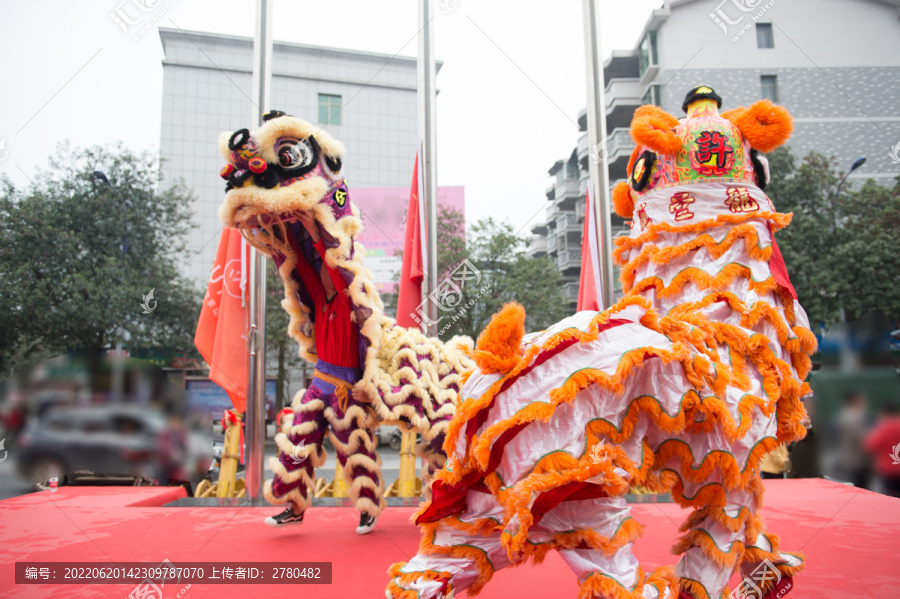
(848, 536)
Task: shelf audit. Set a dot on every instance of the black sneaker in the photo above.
(366, 523)
(284, 518)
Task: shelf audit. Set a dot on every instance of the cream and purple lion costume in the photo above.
(682, 386)
(287, 166)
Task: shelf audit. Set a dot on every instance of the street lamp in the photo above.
(117, 383)
(856, 164)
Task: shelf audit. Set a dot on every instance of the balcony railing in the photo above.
(566, 188)
(568, 259)
(551, 243)
(570, 292)
(619, 140)
(538, 246)
(624, 91)
(567, 222)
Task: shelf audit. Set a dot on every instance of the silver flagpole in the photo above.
(599, 170)
(427, 159)
(255, 437)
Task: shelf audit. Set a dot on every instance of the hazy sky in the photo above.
(510, 88)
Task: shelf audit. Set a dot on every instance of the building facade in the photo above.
(366, 100)
(834, 64)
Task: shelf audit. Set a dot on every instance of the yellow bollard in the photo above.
(339, 489)
(407, 481)
(230, 454)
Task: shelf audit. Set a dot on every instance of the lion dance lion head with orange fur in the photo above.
(682, 387)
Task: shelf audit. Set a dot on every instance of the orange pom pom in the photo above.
(765, 125)
(621, 199)
(653, 127)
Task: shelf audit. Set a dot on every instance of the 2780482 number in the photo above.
(314, 573)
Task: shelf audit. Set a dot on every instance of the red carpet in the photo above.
(849, 537)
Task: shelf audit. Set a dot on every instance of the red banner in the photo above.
(221, 335)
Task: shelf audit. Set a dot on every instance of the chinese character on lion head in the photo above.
(703, 148)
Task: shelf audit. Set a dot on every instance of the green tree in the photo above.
(451, 228)
(506, 274)
(840, 248)
(78, 257)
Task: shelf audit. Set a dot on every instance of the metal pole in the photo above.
(427, 159)
(599, 171)
(255, 436)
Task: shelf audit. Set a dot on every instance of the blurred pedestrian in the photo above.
(774, 463)
(853, 462)
(883, 443)
(805, 454)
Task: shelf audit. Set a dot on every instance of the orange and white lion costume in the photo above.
(683, 386)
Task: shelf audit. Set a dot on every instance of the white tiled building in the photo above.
(834, 64)
(366, 100)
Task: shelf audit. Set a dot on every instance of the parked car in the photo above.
(393, 436)
(105, 439)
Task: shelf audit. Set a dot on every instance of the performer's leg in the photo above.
(720, 538)
(354, 439)
(456, 553)
(594, 537)
(300, 451)
(764, 565)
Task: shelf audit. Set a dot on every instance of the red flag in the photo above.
(588, 296)
(411, 274)
(221, 336)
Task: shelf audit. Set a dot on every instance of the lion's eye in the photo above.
(295, 154)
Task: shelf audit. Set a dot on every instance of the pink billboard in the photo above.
(383, 212)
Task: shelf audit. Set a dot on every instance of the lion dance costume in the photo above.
(285, 167)
(683, 386)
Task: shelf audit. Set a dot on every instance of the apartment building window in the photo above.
(648, 56)
(769, 85)
(652, 96)
(764, 37)
(572, 168)
(329, 109)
